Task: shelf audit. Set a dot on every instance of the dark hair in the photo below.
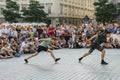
(4, 44)
(54, 38)
(107, 32)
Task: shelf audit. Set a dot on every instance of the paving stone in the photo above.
(42, 67)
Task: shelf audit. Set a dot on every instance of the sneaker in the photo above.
(80, 59)
(57, 59)
(26, 61)
(104, 63)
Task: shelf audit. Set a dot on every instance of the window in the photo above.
(61, 9)
(65, 0)
(65, 10)
(1, 10)
(16, 0)
(2, 0)
(49, 10)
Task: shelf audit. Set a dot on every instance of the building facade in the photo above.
(114, 1)
(60, 11)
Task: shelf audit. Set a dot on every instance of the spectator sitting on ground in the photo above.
(116, 43)
(32, 45)
(109, 43)
(88, 44)
(14, 46)
(63, 42)
(78, 42)
(70, 43)
(6, 52)
(55, 45)
(25, 46)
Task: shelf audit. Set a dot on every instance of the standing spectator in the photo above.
(39, 32)
(31, 33)
(51, 31)
(0, 31)
(45, 32)
(60, 32)
(73, 37)
(23, 34)
(12, 32)
(4, 32)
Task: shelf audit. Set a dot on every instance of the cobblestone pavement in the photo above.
(42, 67)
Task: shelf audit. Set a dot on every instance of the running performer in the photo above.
(98, 43)
(43, 46)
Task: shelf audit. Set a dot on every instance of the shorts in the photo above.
(42, 48)
(94, 46)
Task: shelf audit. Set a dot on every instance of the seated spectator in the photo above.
(63, 42)
(116, 43)
(0, 43)
(118, 30)
(14, 46)
(55, 45)
(88, 44)
(70, 43)
(78, 43)
(5, 52)
(109, 43)
(32, 45)
(84, 39)
(25, 47)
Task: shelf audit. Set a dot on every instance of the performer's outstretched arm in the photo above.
(94, 36)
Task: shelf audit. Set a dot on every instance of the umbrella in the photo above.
(6, 24)
(42, 24)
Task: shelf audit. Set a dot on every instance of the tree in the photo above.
(11, 13)
(34, 13)
(118, 8)
(104, 11)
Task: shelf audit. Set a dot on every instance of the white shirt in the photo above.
(4, 32)
(23, 45)
(0, 32)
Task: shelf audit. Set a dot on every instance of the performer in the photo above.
(98, 43)
(43, 47)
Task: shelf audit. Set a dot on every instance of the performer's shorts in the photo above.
(42, 48)
(93, 47)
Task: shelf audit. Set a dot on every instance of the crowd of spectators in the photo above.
(17, 39)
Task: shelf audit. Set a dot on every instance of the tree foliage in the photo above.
(11, 13)
(104, 11)
(34, 13)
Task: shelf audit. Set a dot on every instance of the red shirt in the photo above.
(51, 31)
